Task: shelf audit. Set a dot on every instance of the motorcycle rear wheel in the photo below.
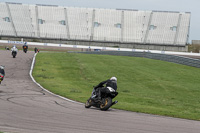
(107, 104)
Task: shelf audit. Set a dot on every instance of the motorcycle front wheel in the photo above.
(106, 104)
(88, 103)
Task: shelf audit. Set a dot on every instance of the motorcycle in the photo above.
(14, 53)
(105, 102)
(1, 77)
(25, 49)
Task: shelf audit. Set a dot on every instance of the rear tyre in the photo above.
(88, 103)
(107, 104)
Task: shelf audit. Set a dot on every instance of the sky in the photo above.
(192, 6)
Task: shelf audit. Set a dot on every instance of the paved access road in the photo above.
(26, 108)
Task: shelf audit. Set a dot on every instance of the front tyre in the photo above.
(106, 104)
(88, 103)
(14, 54)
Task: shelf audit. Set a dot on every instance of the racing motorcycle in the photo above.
(1, 77)
(2, 73)
(25, 48)
(14, 53)
(105, 102)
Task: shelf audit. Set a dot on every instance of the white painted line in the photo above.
(30, 73)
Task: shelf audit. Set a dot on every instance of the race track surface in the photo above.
(26, 108)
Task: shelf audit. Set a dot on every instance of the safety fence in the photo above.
(164, 57)
(169, 56)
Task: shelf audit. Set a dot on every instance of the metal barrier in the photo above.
(153, 54)
(164, 57)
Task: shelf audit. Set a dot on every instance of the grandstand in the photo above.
(158, 30)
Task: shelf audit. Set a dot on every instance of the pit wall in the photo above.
(177, 48)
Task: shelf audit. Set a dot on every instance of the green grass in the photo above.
(144, 85)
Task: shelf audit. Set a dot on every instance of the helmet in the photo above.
(113, 78)
(14, 46)
(2, 67)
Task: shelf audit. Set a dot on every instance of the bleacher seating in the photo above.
(51, 26)
(107, 29)
(6, 28)
(33, 16)
(113, 25)
(79, 22)
(163, 32)
(21, 19)
(135, 25)
(184, 28)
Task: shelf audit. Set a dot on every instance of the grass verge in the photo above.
(144, 85)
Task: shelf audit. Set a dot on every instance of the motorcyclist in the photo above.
(14, 51)
(14, 48)
(36, 50)
(2, 73)
(7, 48)
(112, 82)
(25, 46)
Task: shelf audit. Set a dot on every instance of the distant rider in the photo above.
(25, 46)
(14, 48)
(36, 50)
(112, 82)
(2, 73)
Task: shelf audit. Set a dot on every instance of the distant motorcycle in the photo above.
(106, 99)
(2, 73)
(1, 77)
(25, 48)
(14, 53)
(36, 50)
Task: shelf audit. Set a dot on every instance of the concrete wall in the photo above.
(179, 48)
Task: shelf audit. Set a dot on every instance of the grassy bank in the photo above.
(144, 85)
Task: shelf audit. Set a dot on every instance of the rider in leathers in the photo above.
(2, 72)
(112, 82)
(25, 46)
(14, 48)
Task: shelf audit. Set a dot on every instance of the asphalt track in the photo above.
(26, 108)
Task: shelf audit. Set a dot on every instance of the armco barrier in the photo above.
(152, 54)
(100, 48)
(169, 58)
